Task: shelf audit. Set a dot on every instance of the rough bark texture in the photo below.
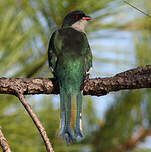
(131, 79)
(3, 143)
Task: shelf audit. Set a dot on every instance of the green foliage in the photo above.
(122, 119)
(142, 150)
(25, 29)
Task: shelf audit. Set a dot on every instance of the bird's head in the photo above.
(77, 18)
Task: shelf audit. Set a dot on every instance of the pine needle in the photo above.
(137, 9)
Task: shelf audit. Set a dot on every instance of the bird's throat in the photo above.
(80, 25)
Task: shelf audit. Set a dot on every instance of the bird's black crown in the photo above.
(73, 17)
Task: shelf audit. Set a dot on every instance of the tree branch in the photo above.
(36, 121)
(3, 143)
(131, 79)
(138, 136)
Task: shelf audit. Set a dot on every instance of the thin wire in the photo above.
(137, 9)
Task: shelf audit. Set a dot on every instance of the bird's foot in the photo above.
(67, 134)
(78, 134)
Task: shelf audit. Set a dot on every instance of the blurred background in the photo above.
(120, 38)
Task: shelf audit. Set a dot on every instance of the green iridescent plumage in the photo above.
(69, 57)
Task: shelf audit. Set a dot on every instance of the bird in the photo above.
(70, 60)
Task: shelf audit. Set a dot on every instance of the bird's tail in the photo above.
(65, 116)
(78, 127)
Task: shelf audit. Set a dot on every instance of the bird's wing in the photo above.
(88, 59)
(52, 57)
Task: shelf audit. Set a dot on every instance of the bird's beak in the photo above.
(87, 18)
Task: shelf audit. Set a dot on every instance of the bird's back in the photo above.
(71, 50)
(71, 42)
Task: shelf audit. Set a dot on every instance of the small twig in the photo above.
(138, 136)
(3, 143)
(137, 9)
(37, 122)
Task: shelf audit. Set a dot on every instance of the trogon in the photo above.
(70, 60)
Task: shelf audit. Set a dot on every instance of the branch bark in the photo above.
(132, 79)
(3, 142)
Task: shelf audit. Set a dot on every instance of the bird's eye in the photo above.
(76, 16)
